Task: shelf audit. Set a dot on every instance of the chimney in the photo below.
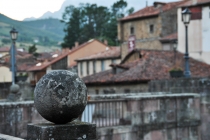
(105, 42)
(76, 44)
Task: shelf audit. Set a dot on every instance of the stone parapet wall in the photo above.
(189, 85)
(14, 117)
(160, 115)
(155, 116)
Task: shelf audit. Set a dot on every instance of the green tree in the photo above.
(92, 21)
(6, 41)
(73, 20)
(32, 49)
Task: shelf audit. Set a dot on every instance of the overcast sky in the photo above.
(20, 9)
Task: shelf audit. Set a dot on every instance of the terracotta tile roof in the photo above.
(48, 63)
(44, 55)
(194, 3)
(151, 11)
(169, 38)
(24, 67)
(152, 65)
(4, 49)
(65, 54)
(83, 45)
(111, 52)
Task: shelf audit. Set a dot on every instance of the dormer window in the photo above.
(132, 30)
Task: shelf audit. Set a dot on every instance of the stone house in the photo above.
(198, 29)
(144, 28)
(137, 69)
(98, 62)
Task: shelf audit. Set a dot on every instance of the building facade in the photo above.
(98, 62)
(147, 26)
(198, 30)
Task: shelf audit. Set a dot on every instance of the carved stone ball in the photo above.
(14, 88)
(60, 96)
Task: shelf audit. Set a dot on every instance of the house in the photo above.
(4, 51)
(65, 59)
(169, 42)
(36, 71)
(5, 74)
(144, 28)
(23, 61)
(137, 69)
(88, 48)
(198, 29)
(98, 62)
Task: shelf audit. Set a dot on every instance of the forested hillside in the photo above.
(45, 31)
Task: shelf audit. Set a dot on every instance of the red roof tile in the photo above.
(4, 49)
(83, 45)
(111, 52)
(194, 3)
(152, 65)
(169, 37)
(46, 64)
(151, 11)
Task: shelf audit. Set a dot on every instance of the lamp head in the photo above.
(14, 34)
(175, 44)
(186, 16)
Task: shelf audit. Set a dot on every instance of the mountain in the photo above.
(46, 31)
(58, 14)
(29, 19)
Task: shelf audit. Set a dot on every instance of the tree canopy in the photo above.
(89, 21)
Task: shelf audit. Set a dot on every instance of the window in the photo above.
(94, 66)
(102, 65)
(81, 68)
(132, 30)
(196, 13)
(97, 91)
(151, 28)
(87, 67)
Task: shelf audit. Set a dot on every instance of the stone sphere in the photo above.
(60, 96)
(14, 88)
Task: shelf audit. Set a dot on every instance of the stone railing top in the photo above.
(143, 95)
(16, 103)
(6, 137)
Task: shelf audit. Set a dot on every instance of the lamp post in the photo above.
(13, 34)
(186, 16)
(14, 88)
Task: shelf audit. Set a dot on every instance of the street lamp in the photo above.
(186, 16)
(14, 88)
(14, 35)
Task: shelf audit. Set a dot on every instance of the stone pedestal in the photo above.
(75, 130)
